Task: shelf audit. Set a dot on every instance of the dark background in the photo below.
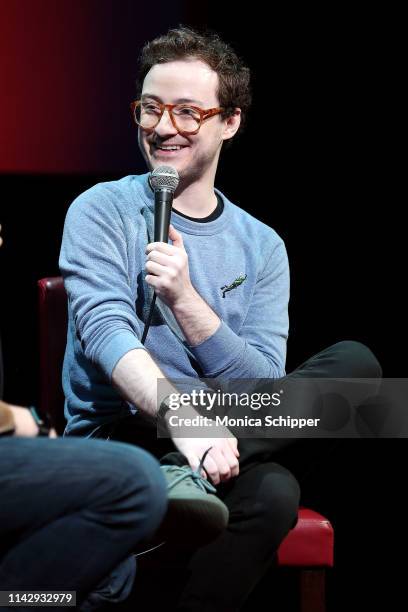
(319, 162)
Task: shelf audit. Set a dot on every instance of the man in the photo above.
(192, 100)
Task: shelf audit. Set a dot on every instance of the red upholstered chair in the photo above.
(309, 546)
(53, 317)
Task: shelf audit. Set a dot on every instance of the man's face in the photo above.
(172, 83)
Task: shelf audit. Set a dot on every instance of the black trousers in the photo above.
(263, 500)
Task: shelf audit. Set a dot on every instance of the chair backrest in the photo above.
(52, 308)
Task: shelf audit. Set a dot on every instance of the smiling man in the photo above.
(224, 280)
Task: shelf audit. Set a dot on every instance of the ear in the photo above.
(232, 124)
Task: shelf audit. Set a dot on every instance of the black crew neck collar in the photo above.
(211, 217)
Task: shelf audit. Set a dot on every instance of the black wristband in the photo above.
(162, 427)
(43, 424)
(164, 407)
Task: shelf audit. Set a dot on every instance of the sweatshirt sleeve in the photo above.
(93, 263)
(259, 349)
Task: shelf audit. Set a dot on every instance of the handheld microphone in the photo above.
(164, 181)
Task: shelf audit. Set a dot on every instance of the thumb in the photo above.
(175, 237)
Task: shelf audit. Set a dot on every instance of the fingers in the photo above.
(160, 264)
(194, 462)
(212, 468)
(155, 268)
(233, 442)
(231, 455)
(161, 278)
(221, 464)
(233, 464)
(163, 247)
(221, 461)
(160, 258)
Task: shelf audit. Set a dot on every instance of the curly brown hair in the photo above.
(183, 42)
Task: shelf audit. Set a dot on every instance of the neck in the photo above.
(196, 200)
(195, 197)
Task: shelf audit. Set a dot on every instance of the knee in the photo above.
(365, 363)
(137, 496)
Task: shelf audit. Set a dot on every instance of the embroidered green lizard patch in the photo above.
(236, 283)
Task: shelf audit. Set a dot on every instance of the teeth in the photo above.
(170, 148)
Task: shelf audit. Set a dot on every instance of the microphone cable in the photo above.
(149, 319)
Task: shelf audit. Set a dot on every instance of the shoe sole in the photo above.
(192, 523)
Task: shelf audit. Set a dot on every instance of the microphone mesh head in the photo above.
(164, 177)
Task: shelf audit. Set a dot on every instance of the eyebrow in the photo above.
(179, 101)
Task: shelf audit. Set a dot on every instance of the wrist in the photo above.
(185, 302)
(166, 412)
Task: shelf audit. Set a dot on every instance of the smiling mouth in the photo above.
(169, 149)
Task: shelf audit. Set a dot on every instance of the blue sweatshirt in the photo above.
(102, 261)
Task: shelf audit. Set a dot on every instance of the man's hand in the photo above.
(170, 278)
(167, 265)
(221, 463)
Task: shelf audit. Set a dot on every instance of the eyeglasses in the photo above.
(185, 118)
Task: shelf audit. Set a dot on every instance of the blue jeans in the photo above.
(71, 513)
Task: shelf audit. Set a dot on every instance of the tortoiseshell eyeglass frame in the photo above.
(204, 114)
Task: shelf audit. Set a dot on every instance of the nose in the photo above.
(165, 125)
